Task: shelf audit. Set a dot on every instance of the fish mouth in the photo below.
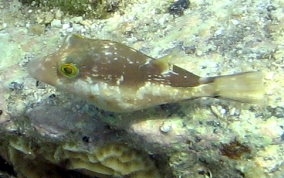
(43, 70)
(33, 68)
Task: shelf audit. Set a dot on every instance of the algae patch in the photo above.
(97, 9)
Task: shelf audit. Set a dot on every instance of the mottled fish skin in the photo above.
(118, 78)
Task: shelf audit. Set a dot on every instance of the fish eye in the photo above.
(69, 70)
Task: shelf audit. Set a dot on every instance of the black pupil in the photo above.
(68, 70)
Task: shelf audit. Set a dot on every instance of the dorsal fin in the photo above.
(176, 76)
(73, 41)
(165, 61)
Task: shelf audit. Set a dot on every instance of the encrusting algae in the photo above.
(112, 160)
(118, 78)
(107, 160)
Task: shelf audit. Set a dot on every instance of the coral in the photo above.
(111, 159)
(45, 159)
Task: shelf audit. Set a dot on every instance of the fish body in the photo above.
(118, 78)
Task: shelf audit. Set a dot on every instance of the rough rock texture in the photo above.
(198, 138)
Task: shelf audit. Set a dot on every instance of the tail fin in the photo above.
(244, 87)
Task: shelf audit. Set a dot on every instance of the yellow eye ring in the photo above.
(69, 70)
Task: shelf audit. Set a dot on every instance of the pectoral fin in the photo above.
(163, 63)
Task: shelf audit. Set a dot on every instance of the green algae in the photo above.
(97, 9)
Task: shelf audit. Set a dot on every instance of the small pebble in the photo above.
(2, 26)
(199, 52)
(282, 137)
(76, 19)
(269, 76)
(86, 139)
(15, 86)
(77, 27)
(235, 22)
(190, 49)
(69, 30)
(219, 111)
(165, 128)
(65, 26)
(234, 112)
(40, 85)
(52, 96)
(58, 14)
(279, 112)
(223, 111)
(219, 31)
(86, 23)
(56, 23)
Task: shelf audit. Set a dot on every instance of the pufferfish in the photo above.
(118, 78)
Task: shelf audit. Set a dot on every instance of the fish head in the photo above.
(66, 68)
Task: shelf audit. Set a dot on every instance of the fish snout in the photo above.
(43, 70)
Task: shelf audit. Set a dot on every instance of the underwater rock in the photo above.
(200, 135)
(32, 160)
(65, 140)
(112, 160)
(15, 86)
(58, 121)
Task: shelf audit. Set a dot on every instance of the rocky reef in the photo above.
(61, 135)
